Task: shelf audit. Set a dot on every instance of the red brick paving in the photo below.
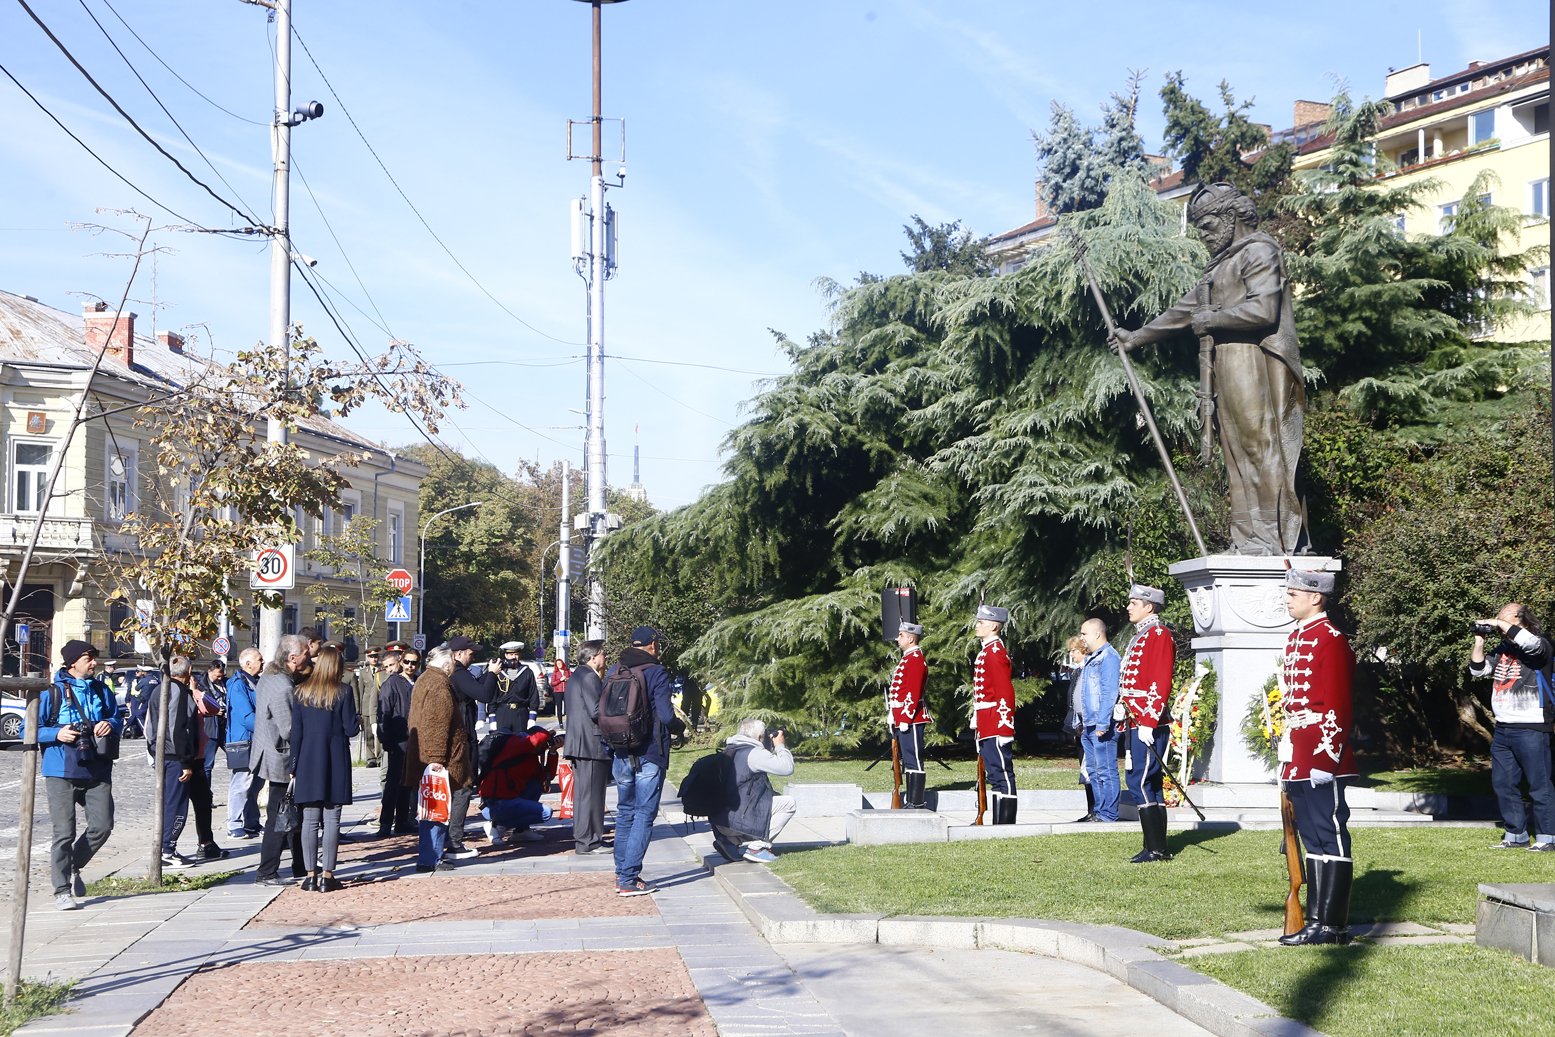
(454, 898)
(642, 993)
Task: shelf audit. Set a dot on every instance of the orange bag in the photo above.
(432, 804)
(564, 779)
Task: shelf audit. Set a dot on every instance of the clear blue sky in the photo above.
(767, 144)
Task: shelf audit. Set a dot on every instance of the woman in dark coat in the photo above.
(324, 721)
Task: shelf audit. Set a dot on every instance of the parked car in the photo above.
(12, 711)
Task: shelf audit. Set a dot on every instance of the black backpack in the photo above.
(487, 751)
(625, 716)
(709, 786)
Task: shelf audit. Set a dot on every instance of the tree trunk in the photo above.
(159, 778)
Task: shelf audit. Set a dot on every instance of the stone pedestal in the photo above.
(1239, 617)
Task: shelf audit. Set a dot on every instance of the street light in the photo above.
(421, 567)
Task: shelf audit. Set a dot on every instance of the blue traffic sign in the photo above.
(398, 610)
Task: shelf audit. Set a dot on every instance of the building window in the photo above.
(121, 642)
(1539, 287)
(1398, 224)
(120, 501)
(30, 475)
(1539, 198)
(1482, 126)
(396, 535)
(289, 619)
(1446, 213)
(254, 628)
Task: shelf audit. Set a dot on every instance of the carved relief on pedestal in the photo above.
(1202, 602)
(1260, 604)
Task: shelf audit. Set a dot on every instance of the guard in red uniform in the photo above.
(993, 711)
(1145, 694)
(907, 715)
(1315, 759)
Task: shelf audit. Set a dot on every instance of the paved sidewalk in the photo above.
(528, 939)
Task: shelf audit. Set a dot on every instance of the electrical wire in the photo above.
(88, 149)
(59, 44)
(406, 198)
(678, 403)
(174, 71)
(136, 73)
(690, 363)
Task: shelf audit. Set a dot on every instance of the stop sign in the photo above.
(400, 580)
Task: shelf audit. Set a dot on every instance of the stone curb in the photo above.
(1127, 955)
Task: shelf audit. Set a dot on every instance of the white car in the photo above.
(12, 712)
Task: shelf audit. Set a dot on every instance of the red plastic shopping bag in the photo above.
(432, 804)
(564, 779)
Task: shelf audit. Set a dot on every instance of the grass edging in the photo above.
(181, 882)
(1127, 955)
(35, 998)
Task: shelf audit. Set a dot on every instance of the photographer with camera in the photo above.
(747, 830)
(1521, 700)
(78, 730)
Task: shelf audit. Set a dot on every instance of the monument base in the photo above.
(1240, 623)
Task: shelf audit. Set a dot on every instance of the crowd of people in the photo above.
(441, 735)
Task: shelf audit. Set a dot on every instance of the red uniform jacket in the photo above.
(521, 759)
(906, 697)
(993, 696)
(1315, 676)
(1145, 681)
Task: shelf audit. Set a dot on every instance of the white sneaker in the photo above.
(491, 830)
(66, 902)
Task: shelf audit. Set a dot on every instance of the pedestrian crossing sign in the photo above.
(397, 610)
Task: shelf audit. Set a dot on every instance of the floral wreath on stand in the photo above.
(1194, 709)
(1265, 723)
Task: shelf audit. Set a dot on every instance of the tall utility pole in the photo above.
(280, 251)
(599, 260)
(564, 569)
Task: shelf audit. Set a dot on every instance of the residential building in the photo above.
(71, 589)
(1491, 117)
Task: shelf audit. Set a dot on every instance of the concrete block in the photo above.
(750, 879)
(1162, 980)
(954, 801)
(968, 833)
(818, 799)
(790, 920)
(878, 828)
(1534, 896)
(1505, 926)
(929, 931)
(1020, 934)
(1544, 940)
(1221, 1009)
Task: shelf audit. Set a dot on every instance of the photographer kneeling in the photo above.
(1522, 702)
(78, 728)
(748, 829)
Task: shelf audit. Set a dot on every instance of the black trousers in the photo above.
(1322, 817)
(274, 841)
(396, 809)
(998, 765)
(910, 744)
(200, 804)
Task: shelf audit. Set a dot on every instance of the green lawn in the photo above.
(1219, 883)
(115, 886)
(1369, 990)
(1453, 781)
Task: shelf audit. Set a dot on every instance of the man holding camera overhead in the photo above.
(1521, 699)
(77, 721)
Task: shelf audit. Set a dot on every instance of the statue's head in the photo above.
(1217, 211)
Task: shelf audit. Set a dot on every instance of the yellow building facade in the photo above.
(70, 589)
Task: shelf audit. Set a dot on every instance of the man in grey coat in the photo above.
(586, 750)
(268, 756)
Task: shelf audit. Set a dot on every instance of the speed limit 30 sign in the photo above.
(275, 568)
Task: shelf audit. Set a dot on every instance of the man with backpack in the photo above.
(636, 718)
(78, 721)
(756, 816)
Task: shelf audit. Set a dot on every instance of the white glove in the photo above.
(1320, 777)
(903, 726)
(1147, 733)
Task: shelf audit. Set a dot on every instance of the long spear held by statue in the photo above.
(1139, 393)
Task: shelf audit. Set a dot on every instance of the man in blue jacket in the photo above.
(639, 775)
(1098, 681)
(76, 717)
(243, 794)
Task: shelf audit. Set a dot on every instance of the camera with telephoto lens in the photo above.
(1485, 629)
(86, 742)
